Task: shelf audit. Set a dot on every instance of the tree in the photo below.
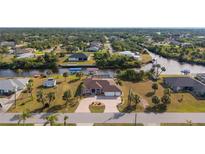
(167, 91)
(65, 75)
(136, 99)
(51, 97)
(155, 100)
(51, 119)
(79, 74)
(40, 97)
(25, 115)
(154, 87)
(166, 99)
(66, 96)
(29, 87)
(65, 120)
(130, 97)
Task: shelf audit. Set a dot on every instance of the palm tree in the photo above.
(65, 120)
(51, 97)
(155, 100)
(79, 74)
(154, 87)
(51, 119)
(65, 75)
(29, 87)
(136, 99)
(25, 115)
(130, 97)
(67, 95)
(40, 97)
(166, 99)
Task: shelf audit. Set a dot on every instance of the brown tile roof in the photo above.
(108, 85)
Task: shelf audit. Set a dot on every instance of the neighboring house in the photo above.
(8, 43)
(9, 86)
(25, 55)
(75, 70)
(93, 49)
(97, 86)
(49, 83)
(185, 84)
(78, 57)
(135, 55)
(23, 50)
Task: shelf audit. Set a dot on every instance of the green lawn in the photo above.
(25, 101)
(96, 109)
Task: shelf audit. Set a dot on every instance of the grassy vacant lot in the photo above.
(25, 101)
(146, 58)
(182, 124)
(117, 124)
(143, 89)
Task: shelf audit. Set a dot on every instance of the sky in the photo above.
(102, 13)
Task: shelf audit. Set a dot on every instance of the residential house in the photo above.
(135, 55)
(26, 55)
(185, 84)
(78, 57)
(8, 43)
(10, 86)
(100, 86)
(93, 49)
(50, 82)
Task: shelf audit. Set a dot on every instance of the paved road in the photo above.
(145, 118)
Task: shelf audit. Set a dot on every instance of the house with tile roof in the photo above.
(101, 86)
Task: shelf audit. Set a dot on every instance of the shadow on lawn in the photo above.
(149, 94)
(160, 108)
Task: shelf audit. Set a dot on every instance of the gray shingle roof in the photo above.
(79, 55)
(10, 84)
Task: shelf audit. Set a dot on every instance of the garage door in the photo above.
(109, 93)
(117, 93)
(112, 93)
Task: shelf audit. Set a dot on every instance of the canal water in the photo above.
(172, 67)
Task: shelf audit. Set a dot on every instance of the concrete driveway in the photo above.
(110, 103)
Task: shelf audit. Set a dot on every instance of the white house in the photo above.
(135, 55)
(49, 83)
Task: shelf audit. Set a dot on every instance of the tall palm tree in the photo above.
(29, 87)
(67, 95)
(51, 97)
(40, 97)
(65, 120)
(136, 99)
(51, 119)
(25, 115)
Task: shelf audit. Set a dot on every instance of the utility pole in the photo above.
(135, 119)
